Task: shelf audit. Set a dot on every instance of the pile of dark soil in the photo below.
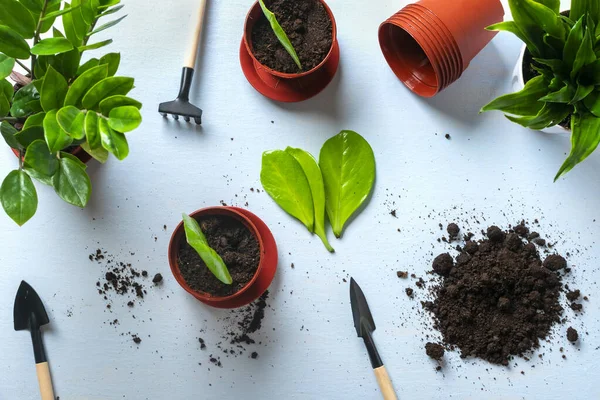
(308, 27)
(497, 298)
(236, 245)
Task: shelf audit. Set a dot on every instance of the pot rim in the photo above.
(179, 233)
(283, 74)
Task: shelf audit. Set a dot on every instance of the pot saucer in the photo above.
(269, 266)
(289, 90)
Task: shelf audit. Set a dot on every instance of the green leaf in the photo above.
(18, 197)
(4, 105)
(284, 180)
(315, 180)
(107, 25)
(92, 131)
(72, 183)
(34, 120)
(111, 11)
(592, 102)
(535, 20)
(83, 83)
(64, 154)
(27, 136)
(57, 34)
(35, 6)
(112, 60)
(54, 14)
(348, 166)
(564, 95)
(100, 154)
(26, 101)
(70, 30)
(54, 90)
(580, 8)
(79, 24)
(585, 55)
(6, 89)
(56, 138)
(53, 5)
(197, 240)
(108, 3)
(113, 141)
(89, 10)
(46, 180)
(39, 158)
(16, 16)
(87, 66)
(95, 45)
(557, 66)
(78, 127)
(551, 114)
(524, 102)
(12, 44)
(584, 140)
(124, 119)
(66, 116)
(6, 65)
(582, 92)
(280, 33)
(51, 46)
(114, 85)
(8, 133)
(511, 26)
(111, 102)
(66, 63)
(573, 44)
(554, 5)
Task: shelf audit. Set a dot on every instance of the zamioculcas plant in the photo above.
(280, 33)
(61, 103)
(566, 58)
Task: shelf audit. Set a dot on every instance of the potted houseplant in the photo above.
(289, 51)
(225, 257)
(63, 111)
(559, 73)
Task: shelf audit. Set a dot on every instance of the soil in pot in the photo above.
(236, 245)
(309, 28)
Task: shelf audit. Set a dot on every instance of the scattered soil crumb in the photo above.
(434, 350)
(402, 274)
(572, 334)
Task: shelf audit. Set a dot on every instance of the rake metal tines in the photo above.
(181, 106)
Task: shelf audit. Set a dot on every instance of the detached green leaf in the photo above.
(524, 102)
(584, 140)
(348, 166)
(12, 44)
(8, 133)
(280, 33)
(95, 45)
(6, 65)
(51, 46)
(112, 60)
(56, 138)
(315, 180)
(54, 90)
(72, 183)
(107, 25)
(124, 119)
(26, 102)
(113, 141)
(39, 158)
(112, 102)
(18, 197)
(16, 16)
(197, 240)
(83, 83)
(114, 85)
(284, 180)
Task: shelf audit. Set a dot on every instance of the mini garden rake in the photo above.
(181, 106)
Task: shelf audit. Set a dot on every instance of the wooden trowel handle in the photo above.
(43, 374)
(385, 383)
(192, 53)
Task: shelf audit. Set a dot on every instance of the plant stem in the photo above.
(20, 159)
(23, 66)
(9, 119)
(36, 37)
(87, 38)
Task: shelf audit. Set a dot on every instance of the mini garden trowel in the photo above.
(30, 314)
(363, 321)
(181, 106)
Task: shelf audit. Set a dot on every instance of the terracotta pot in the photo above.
(78, 152)
(518, 82)
(281, 86)
(266, 268)
(430, 43)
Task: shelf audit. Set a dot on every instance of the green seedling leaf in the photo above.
(56, 138)
(112, 102)
(95, 45)
(34, 120)
(39, 158)
(53, 5)
(6, 65)
(83, 83)
(52, 15)
(26, 102)
(124, 119)
(54, 90)
(107, 25)
(280, 33)
(112, 86)
(72, 183)
(92, 131)
(584, 140)
(113, 141)
(524, 102)
(51, 46)
(348, 166)
(16, 16)
(66, 116)
(315, 180)
(99, 154)
(195, 238)
(284, 180)
(8, 133)
(12, 44)
(18, 197)
(112, 60)
(27, 136)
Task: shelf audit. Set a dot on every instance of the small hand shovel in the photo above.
(181, 106)
(29, 313)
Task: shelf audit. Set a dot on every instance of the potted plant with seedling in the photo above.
(225, 257)
(559, 72)
(289, 51)
(63, 111)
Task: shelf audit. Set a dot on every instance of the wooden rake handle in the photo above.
(192, 53)
(385, 383)
(43, 375)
